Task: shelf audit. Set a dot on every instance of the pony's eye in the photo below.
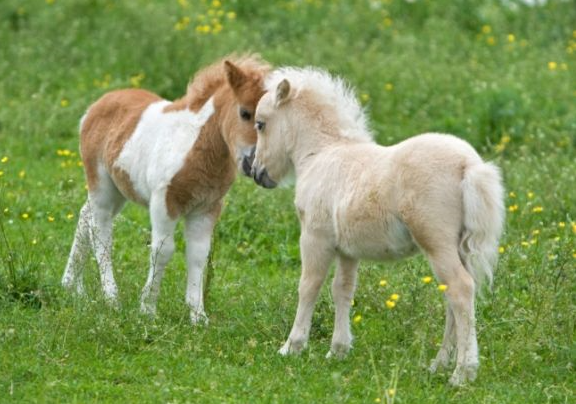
(245, 115)
(260, 126)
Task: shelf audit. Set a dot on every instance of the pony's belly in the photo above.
(377, 241)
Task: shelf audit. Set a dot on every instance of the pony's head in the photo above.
(236, 84)
(302, 110)
(246, 80)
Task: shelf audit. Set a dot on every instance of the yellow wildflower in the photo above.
(537, 209)
(377, 400)
(563, 66)
(573, 227)
(352, 302)
(442, 287)
(4, 159)
(25, 216)
(525, 244)
(491, 41)
(365, 97)
(64, 102)
(22, 174)
(512, 194)
(357, 318)
(388, 22)
(136, 80)
(50, 218)
(388, 86)
(561, 225)
(535, 232)
(390, 304)
(486, 29)
(511, 38)
(530, 194)
(391, 392)
(395, 297)
(552, 257)
(50, 2)
(1, 173)
(34, 241)
(533, 241)
(70, 216)
(512, 208)
(383, 282)
(231, 15)
(427, 279)
(552, 65)
(501, 250)
(216, 3)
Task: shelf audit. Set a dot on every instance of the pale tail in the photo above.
(483, 196)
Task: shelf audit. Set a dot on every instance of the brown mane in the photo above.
(209, 79)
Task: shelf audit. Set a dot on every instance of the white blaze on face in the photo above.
(157, 149)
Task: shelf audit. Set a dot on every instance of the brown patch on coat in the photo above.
(108, 125)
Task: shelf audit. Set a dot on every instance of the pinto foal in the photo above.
(176, 158)
(358, 200)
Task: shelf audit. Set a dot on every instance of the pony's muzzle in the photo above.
(247, 162)
(261, 178)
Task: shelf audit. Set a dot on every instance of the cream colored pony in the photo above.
(356, 200)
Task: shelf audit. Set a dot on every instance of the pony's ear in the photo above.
(235, 76)
(282, 92)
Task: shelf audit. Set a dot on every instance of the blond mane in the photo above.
(329, 92)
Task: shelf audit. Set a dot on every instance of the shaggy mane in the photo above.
(210, 78)
(329, 91)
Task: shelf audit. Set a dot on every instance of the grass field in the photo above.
(501, 77)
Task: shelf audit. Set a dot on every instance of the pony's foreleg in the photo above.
(442, 359)
(161, 252)
(198, 231)
(73, 278)
(316, 259)
(343, 288)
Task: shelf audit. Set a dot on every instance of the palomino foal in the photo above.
(357, 200)
(176, 158)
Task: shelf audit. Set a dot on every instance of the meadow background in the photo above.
(496, 73)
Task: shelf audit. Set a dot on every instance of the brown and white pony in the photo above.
(358, 200)
(176, 158)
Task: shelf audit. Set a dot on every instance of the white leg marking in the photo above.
(198, 237)
(73, 278)
(316, 259)
(161, 251)
(343, 288)
(444, 355)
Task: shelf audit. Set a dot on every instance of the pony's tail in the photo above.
(483, 197)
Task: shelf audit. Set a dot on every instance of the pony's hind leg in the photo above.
(161, 252)
(105, 202)
(444, 355)
(460, 298)
(73, 278)
(316, 259)
(342, 292)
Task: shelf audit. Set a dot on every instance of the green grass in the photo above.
(452, 67)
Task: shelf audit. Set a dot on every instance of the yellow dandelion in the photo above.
(512, 194)
(574, 254)
(535, 232)
(34, 241)
(216, 3)
(383, 282)
(561, 225)
(70, 216)
(365, 97)
(64, 102)
(537, 209)
(25, 216)
(6, 210)
(231, 15)
(217, 28)
(395, 297)
(427, 279)
(50, 218)
(442, 287)
(486, 29)
(552, 65)
(22, 174)
(573, 227)
(530, 194)
(388, 86)
(533, 241)
(50, 2)
(357, 318)
(511, 38)
(377, 400)
(1, 173)
(501, 249)
(391, 392)
(512, 208)
(390, 304)
(4, 159)
(183, 3)
(557, 238)
(491, 41)
(525, 244)
(552, 257)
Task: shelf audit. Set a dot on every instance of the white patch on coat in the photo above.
(157, 149)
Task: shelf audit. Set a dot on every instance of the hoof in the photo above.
(291, 348)
(463, 375)
(198, 318)
(338, 351)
